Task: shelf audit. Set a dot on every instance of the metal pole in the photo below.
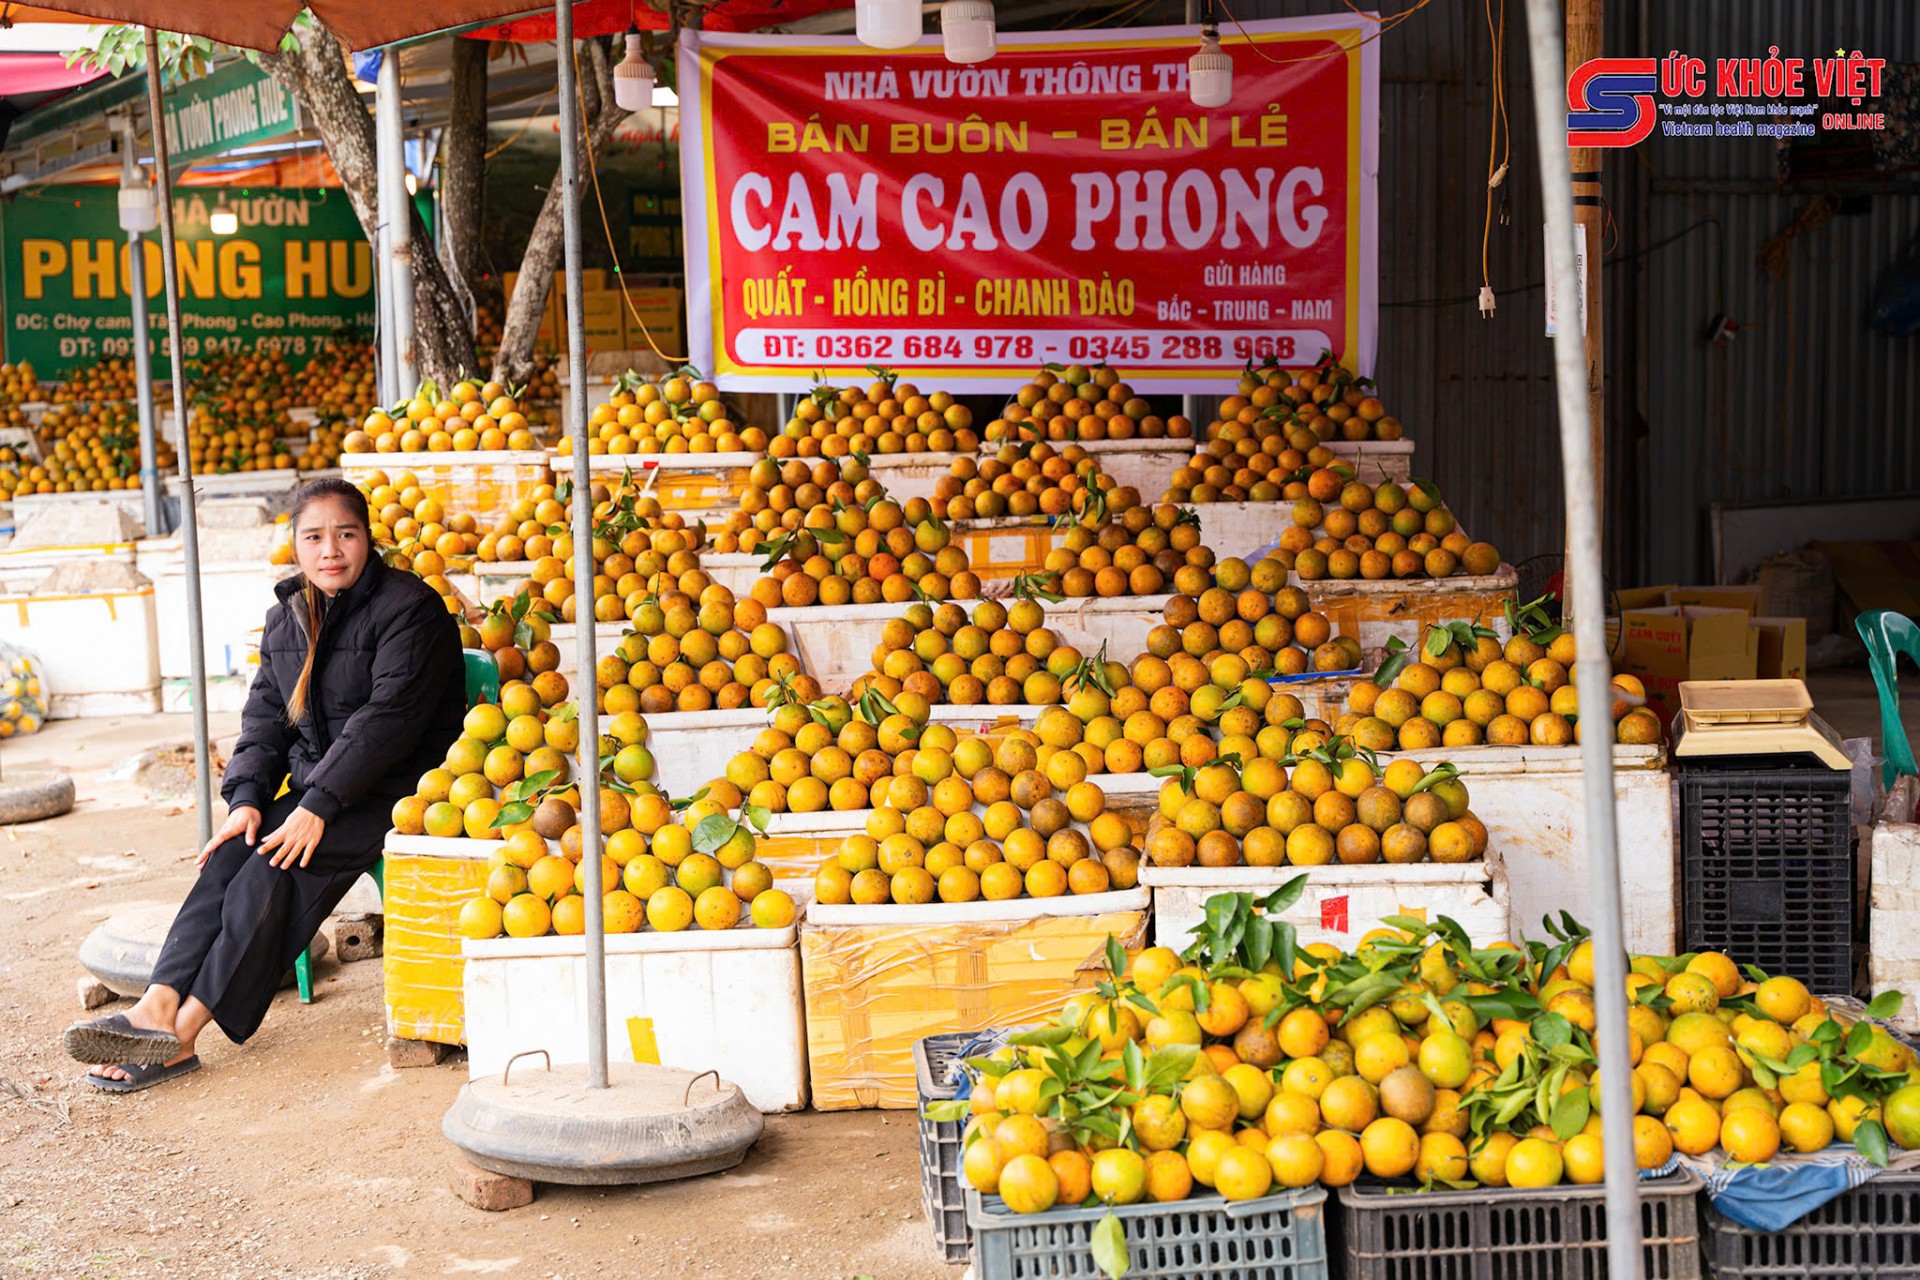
(143, 380)
(1593, 671)
(392, 160)
(130, 176)
(189, 524)
(386, 365)
(1583, 45)
(575, 417)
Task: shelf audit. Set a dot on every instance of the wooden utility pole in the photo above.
(1583, 45)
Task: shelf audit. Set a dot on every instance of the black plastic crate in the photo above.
(1555, 1234)
(1767, 874)
(941, 1194)
(1869, 1233)
(1280, 1236)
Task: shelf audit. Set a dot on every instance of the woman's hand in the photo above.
(241, 820)
(296, 839)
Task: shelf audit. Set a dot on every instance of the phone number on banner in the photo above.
(807, 347)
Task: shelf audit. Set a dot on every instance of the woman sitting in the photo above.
(361, 690)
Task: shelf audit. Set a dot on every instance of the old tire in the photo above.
(33, 795)
(122, 951)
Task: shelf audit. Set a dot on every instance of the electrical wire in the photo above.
(606, 225)
(1538, 285)
(531, 117)
(1497, 128)
(1342, 49)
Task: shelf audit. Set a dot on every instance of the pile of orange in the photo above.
(886, 416)
(471, 416)
(1081, 402)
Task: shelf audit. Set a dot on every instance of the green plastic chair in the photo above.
(1888, 635)
(483, 685)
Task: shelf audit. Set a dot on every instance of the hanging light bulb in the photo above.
(633, 78)
(224, 221)
(139, 214)
(413, 185)
(886, 24)
(1210, 71)
(966, 30)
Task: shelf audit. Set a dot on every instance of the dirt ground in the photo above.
(302, 1155)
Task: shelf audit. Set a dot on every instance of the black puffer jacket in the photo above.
(386, 698)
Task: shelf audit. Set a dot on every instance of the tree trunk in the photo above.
(545, 243)
(315, 72)
(463, 180)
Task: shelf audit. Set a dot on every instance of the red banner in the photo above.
(1063, 202)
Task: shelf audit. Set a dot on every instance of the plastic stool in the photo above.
(1889, 635)
(483, 685)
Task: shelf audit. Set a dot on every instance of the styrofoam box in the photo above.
(238, 484)
(692, 748)
(234, 600)
(1894, 926)
(225, 694)
(1533, 804)
(910, 475)
(729, 1002)
(98, 653)
(1340, 903)
(21, 569)
(680, 482)
(1140, 464)
(981, 911)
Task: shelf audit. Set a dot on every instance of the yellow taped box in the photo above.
(477, 484)
(872, 991)
(424, 970)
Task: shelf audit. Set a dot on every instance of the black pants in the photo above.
(245, 921)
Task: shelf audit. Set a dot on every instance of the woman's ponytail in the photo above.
(297, 700)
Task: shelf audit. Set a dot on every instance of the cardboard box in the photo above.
(1670, 643)
(1745, 599)
(1875, 575)
(1782, 648)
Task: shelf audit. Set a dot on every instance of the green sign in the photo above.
(236, 106)
(296, 272)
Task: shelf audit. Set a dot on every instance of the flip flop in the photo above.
(113, 1039)
(142, 1077)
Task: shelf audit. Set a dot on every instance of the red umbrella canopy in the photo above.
(260, 24)
(611, 17)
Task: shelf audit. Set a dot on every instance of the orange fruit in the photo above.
(1750, 1135)
(1583, 1160)
(1534, 1163)
(1694, 1125)
(1390, 1148)
(1719, 970)
(1168, 1177)
(1115, 1176)
(1808, 1128)
(1028, 1183)
(1074, 1172)
(1244, 1174)
(1342, 1159)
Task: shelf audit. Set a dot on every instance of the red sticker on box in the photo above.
(1333, 914)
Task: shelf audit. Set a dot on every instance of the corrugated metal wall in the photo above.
(1809, 403)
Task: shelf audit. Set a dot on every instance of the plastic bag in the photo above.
(23, 699)
(1896, 295)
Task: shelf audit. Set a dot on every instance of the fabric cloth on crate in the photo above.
(1774, 1196)
(386, 697)
(245, 920)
